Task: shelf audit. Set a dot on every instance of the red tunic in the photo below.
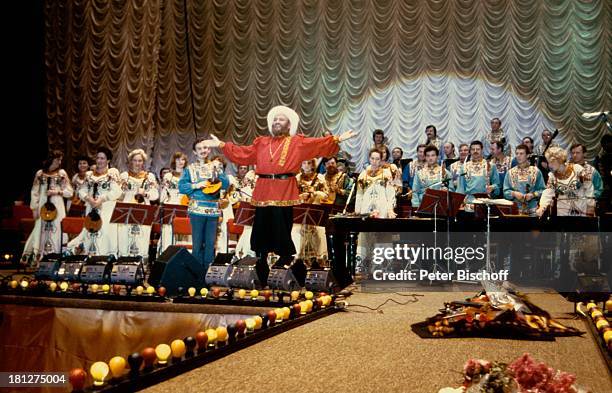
(275, 156)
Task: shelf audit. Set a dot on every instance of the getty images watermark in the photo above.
(416, 257)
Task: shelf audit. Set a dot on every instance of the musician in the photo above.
(339, 184)
(200, 182)
(528, 143)
(395, 170)
(278, 158)
(170, 194)
(416, 165)
(396, 154)
(78, 179)
(310, 240)
(431, 134)
(497, 135)
(242, 185)
(379, 139)
(227, 211)
(524, 183)
(546, 138)
(51, 185)
(500, 160)
(456, 168)
(431, 176)
(449, 151)
(578, 151)
(99, 192)
(375, 189)
(567, 185)
(478, 176)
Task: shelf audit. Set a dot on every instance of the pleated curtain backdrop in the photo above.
(117, 72)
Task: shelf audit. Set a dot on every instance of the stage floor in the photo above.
(359, 351)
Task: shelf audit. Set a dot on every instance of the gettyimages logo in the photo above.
(422, 253)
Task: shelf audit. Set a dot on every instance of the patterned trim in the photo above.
(276, 203)
(283, 157)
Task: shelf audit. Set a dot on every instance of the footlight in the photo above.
(99, 371)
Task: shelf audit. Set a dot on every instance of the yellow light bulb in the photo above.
(602, 323)
(607, 336)
(7, 256)
(250, 324)
(163, 352)
(596, 313)
(24, 284)
(212, 337)
(254, 294)
(221, 334)
(117, 366)
(279, 314)
(94, 288)
(150, 290)
(258, 322)
(303, 308)
(99, 371)
(309, 295)
(204, 292)
(178, 347)
(295, 295)
(139, 290)
(53, 286)
(241, 293)
(191, 291)
(105, 288)
(64, 286)
(286, 312)
(308, 305)
(14, 284)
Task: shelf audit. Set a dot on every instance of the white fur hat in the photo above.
(292, 115)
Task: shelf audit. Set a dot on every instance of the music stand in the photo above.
(245, 214)
(134, 214)
(309, 214)
(167, 213)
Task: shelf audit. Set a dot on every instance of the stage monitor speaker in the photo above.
(97, 269)
(590, 287)
(128, 271)
(70, 268)
(288, 275)
(249, 274)
(220, 270)
(48, 267)
(321, 280)
(176, 268)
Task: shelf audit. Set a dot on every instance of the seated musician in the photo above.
(99, 192)
(478, 176)
(567, 185)
(524, 183)
(309, 240)
(338, 183)
(431, 176)
(139, 187)
(199, 182)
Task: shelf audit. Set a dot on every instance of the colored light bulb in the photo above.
(212, 337)
(99, 371)
(202, 340)
(286, 312)
(163, 352)
(24, 284)
(204, 292)
(221, 334)
(14, 284)
(53, 286)
(250, 325)
(105, 288)
(295, 295)
(139, 290)
(150, 290)
(258, 322)
(303, 308)
(191, 291)
(309, 295)
(309, 305)
(254, 294)
(117, 366)
(94, 288)
(279, 314)
(77, 378)
(241, 293)
(178, 348)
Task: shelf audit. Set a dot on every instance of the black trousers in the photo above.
(272, 231)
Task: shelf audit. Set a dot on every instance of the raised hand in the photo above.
(347, 135)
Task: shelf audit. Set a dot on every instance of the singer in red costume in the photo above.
(278, 158)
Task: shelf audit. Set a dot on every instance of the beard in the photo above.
(280, 131)
(332, 170)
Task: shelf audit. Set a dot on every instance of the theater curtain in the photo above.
(118, 72)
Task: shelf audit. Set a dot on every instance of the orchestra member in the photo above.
(497, 135)
(432, 176)
(500, 160)
(567, 185)
(99, 193)
(278, 158)
(578, 151)
(416, 165)
(77, 180)
(431, 134)
(200, 182)
(170, 195)
(375, 189)
(51, 185)
(478, 176)
(456, 168)
(139, 187)
(379, 139)
(524, 183)
(339, 184)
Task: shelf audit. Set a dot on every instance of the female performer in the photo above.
(51, 185)
(170, 195)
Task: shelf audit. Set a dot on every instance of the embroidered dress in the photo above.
(572, 190)
(524, 179)
(135, 239)
(170, 195)
(310, 240)
(46, 237)
(106, 187)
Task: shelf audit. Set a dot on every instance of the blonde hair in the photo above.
(556, 154)
(136, 152)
